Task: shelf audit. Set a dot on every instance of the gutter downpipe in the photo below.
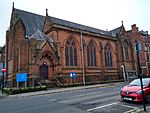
(82, 52)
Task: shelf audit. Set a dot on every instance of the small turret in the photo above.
(46, 12)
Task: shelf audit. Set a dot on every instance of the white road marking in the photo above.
(85, 94)
(53, 100)
(102, 106)
(128, 106)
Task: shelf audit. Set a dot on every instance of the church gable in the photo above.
(46, 47)
(31, 21)
(119, 32)
(48, 52)
(45, 43)
(115, 31)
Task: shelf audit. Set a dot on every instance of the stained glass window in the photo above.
(91, 54)
(71, 53)
(126, 53)
(108, 56)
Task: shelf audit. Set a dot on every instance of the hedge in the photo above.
(12, 91)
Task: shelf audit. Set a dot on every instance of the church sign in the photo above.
(21, 77)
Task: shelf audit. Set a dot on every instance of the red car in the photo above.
(133, 92)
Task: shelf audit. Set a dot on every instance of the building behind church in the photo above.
(52, 50)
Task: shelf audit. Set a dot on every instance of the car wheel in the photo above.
(147, 98)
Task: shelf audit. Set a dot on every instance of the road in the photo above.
(92, 100)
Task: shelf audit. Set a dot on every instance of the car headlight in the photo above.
(139, 92)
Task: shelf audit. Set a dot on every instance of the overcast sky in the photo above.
(101, 14)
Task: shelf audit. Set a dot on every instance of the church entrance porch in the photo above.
(43, 71)
(46, 68)
(46, 74)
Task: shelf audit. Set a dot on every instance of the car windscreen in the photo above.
(137, 82)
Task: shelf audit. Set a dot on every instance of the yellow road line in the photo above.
(132, 110)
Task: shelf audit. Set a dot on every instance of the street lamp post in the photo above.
(82, 50)
(140, 72)
(123, 70)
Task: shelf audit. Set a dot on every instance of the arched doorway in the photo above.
(43, 71)
(47, 66)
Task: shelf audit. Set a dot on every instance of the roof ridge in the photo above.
(115, 29)
(75, 23)
(29, 12)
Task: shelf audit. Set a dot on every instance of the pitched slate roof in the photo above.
(115, 31)
(144, 32)
(73, 25)
(32, 21)
(41, 36)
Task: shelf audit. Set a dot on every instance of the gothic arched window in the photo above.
(70, 53)
(91, 54)
(126, 53)
(108, 56)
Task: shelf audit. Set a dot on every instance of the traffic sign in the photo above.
(3, 70)
(72, 75)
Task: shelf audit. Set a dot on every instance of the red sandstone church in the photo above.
(49, 49)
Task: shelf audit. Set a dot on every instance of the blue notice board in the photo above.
(72, 75)
(21, 77)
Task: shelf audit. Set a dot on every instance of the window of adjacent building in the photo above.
(148, 67)
(147, 48)
(139, 46)
(108, 56)
(71, 53)
(148, 56)
(91, 54)
(126, 53)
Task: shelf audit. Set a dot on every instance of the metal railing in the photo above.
(65, 80)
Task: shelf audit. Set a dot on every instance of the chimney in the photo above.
(134, 28)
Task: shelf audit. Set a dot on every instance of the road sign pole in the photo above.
(140, 72)
(3, 78)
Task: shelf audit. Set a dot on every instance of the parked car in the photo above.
(133, 92)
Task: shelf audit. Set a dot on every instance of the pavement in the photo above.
(2, 95)
(56, 90)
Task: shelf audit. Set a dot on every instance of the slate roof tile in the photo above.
(34, 21)
(115, 31)
(31, 21)
(73, 25)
